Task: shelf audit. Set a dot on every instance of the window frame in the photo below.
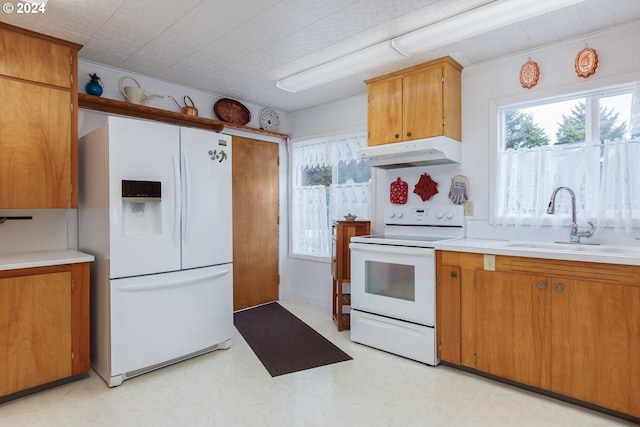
(496, 125)
(291, 177)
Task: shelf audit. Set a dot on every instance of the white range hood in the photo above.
(438, 150)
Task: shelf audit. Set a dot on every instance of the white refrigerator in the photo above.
(155, 210)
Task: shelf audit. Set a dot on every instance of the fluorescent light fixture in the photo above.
(477, 21)
(492, 16)
(362, 60)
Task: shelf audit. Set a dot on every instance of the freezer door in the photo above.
(207, 203)
(144, 234)
(162, 317)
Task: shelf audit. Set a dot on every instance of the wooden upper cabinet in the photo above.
(30, 58)
(419, 102)
(35, 162)
(39, 121)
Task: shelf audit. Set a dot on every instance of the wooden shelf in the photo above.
(341, 234)
(115, 106)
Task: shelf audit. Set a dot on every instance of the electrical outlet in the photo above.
(468, 208)
(490, 262)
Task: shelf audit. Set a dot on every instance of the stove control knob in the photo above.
(399, 215)
(439, 215)
(449, 215)
(392, 214)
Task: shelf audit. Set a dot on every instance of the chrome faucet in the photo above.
(576, 233)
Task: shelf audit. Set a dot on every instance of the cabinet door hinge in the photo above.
(73, 285)
(278, 160)
(439, 278)
(475, 358)
(71, 107)
(73, 354)
(474, 282)
(70, 59)
(443, 79)
(71, 188)
(444, 123)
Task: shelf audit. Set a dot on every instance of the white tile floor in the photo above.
(232, 388)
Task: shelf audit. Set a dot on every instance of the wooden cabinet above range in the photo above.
(419, 102)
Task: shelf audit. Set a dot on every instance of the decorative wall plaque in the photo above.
(529, 74)
(586, 63)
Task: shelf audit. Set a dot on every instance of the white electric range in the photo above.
(393, 280)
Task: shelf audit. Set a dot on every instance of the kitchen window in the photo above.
(328, 181)
(589, 142)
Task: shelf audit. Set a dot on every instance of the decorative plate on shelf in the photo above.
(529, 74)
(586, 63)
(231, 111)
(269, 120)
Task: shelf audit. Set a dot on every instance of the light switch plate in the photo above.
(490, 262)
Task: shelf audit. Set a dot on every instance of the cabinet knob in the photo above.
(397, 135)
(454, 274)
(559, 287)
(542, 285)
(408, 133)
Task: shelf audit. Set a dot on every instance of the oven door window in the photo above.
(390, 280)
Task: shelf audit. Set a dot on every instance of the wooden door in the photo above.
(448, 312)
(422, 104)
(255, 222)
(35, 330)
(35, 151)
(385, 111)
(596, 343)
(513, 326)
(35, 59)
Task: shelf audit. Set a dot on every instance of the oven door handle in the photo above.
(395, 250)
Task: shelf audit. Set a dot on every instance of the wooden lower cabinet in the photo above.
(571, 328)
(513, 326)
(596, 343)
(44, 325)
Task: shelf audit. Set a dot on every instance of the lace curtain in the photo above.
(314, 206)
(607, 192)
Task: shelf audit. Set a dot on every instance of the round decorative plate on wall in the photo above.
(269, 120)
(529, 74)
(586, 63)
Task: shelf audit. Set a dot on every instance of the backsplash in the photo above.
(49, 229)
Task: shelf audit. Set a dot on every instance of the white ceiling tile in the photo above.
(240, 48)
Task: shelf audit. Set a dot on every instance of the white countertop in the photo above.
(627, 255)
(42, 259)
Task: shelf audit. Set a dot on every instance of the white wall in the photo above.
(487, 85)
(203, 101)
(483, 87)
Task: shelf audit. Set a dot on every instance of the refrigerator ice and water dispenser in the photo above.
(141, 211)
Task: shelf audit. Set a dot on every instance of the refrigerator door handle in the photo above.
(178, 202)
(171, 283)
(187, 197)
